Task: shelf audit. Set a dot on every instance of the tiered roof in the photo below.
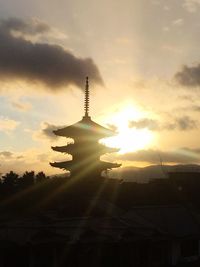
(85, 128)
(86, 150)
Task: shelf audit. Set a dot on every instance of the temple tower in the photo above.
(86, 149)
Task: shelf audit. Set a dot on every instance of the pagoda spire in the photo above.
(87, 98)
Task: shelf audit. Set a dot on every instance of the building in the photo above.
(86, 149)
(147, 236)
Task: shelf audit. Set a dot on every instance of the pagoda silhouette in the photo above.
(86, 149)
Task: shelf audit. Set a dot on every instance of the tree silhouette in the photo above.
(41, 177)
(27, 179)
(10, 181)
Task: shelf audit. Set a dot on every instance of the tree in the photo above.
(41, 177)
(27, 179)
(10, 181)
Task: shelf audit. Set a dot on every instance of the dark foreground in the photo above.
(101, 222)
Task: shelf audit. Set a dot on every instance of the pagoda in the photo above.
(86, 149)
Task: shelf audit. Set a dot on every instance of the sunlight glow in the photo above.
(128, 139)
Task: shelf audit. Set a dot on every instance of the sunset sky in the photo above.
(143, 61)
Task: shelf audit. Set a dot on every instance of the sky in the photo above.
(143, 61)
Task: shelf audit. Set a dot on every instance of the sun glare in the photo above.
(128, 139)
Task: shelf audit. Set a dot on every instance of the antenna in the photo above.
(86, 107)
(162, 166)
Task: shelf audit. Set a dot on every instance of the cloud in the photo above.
(20, 157)
(21, 163)
(46, 132)
(189, 76)
(178, 22)
(7, 125)
(44, 157)
(29, 160)
(186, 123)
(6, 154)
(171, 48)
(151, 124)
(166, 29)
(195, 108)
(191, 150)
(166, 8)
(30, 27)
(21, 106)
(183, 123)
(183, 155)
(48, 64)
(191, 5)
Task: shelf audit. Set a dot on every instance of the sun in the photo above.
(128, 139)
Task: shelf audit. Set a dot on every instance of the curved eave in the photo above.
(63, 149)
(109, 165)
(69, 165)
(73, 149)
(66, 165)
(86, 127)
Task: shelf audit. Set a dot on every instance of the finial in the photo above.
(86, 97)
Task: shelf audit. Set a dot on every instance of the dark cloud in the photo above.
(10, 155)
(6, 154)
(186, 123)
(184, 156)
(30, 27)
(47, 131)
(20, 157)
(49, 64)
(189, 76)
(183, 123)
(191, 150)
(195, 108)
